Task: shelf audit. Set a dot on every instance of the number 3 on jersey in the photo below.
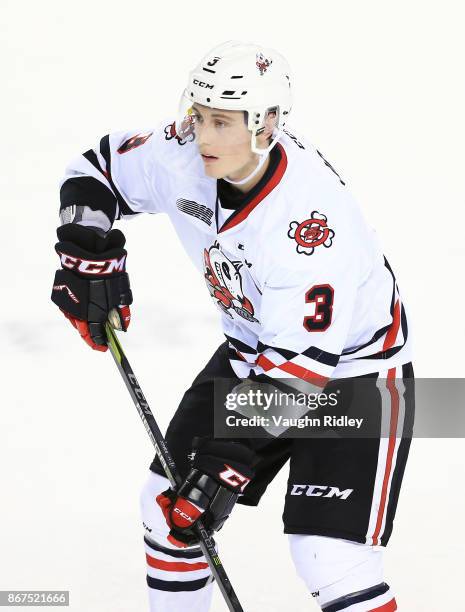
(322, 296)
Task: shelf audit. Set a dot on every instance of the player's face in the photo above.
(224, 142)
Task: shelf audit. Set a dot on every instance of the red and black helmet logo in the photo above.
(262, 63)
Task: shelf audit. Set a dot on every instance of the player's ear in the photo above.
(271, 120)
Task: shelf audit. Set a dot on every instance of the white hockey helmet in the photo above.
(240, 76)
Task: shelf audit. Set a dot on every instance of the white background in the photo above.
(379, 88)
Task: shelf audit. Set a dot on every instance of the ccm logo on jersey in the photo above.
(93, 268)
(311, 233)
(320, 491)
(233, 478)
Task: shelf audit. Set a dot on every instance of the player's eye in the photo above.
(220, 124)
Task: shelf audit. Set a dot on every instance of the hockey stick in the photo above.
(207, 544)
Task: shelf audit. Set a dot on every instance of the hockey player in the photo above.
(305, 294)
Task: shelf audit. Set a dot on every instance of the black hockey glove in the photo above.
(220, 471)
(92, 281)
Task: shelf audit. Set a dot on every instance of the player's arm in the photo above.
(100, 186)
(111, 181)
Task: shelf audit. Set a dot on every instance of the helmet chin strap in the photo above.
(263, 153)
(257, 169)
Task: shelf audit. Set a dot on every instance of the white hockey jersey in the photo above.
(301, 281)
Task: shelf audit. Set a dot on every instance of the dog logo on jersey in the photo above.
(134, 142)
(186, 131)
(262, 63)
(224, 283)
(311, 233)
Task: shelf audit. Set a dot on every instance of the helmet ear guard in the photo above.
(261, 122)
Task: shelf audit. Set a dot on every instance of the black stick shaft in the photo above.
(207, 543)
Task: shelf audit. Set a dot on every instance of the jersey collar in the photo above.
(257, 194)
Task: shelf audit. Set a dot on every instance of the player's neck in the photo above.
(246, 187)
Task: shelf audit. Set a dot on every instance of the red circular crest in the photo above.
(311, 233)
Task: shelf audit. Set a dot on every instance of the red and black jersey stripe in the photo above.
(398, 317)
(313, 352)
